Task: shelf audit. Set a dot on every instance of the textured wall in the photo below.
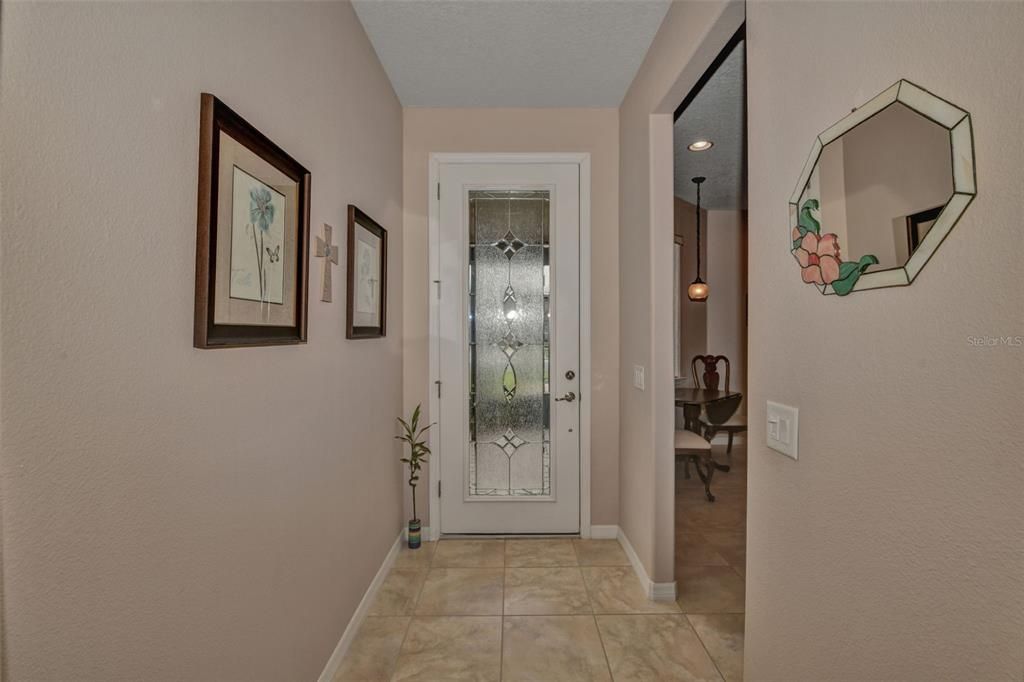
(694, 320)
(685, 45)
(171, 513)
(526, 130)
(894, 547)
(726, 304)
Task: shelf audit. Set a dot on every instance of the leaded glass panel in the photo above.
(509, 289)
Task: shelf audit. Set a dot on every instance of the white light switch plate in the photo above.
(782, 428)
(638, 377)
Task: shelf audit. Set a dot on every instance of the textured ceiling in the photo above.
(715, 114)
(511, 53)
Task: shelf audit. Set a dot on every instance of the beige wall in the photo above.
(694, 339)
(727, 282)
(894, 547)
(685, 45)
(526, 130)
(172, 513)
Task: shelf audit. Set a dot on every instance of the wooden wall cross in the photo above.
(329, 252)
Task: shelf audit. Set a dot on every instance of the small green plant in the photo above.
(419, 451)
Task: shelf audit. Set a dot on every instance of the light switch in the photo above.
(638, 377)
(782, 428)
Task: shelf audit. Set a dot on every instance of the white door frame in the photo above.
(434, 217)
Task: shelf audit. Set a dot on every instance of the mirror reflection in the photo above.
(880, 186)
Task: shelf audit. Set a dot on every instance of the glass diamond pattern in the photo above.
(510, 344)
(509, 442)
(509, 244)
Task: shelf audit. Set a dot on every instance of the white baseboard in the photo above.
(334, 662)
(654, 591)
(604, 532)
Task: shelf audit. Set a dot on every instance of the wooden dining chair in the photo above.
(695, 448)
(712, 379)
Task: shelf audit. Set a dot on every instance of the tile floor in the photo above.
(563, 609)
(711, 559)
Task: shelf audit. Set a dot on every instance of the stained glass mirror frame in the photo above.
(961, 138)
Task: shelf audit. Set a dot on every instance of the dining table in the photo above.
(692, 401)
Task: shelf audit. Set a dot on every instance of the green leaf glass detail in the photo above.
(850, 272)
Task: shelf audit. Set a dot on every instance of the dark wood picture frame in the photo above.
(216, 117)
(352, 331)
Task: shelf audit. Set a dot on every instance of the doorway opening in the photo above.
(710, 344)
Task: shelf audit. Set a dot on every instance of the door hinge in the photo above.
(439, 191)
(438, 283)
(439, 488)
(438, 388)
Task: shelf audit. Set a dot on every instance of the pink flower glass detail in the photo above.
(819, 258)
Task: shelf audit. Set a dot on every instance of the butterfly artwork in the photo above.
(258, 222)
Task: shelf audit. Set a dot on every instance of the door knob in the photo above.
(568, 397)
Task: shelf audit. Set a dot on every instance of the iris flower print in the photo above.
(261, 210)
(261, 213)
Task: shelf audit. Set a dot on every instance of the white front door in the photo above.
(509, 347)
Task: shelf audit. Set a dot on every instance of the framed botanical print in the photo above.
(252, 241)
(367, 264)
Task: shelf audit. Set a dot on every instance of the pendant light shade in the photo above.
(698, 290)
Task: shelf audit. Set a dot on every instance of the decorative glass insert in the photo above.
(509, 354)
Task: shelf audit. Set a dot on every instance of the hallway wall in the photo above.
(525, 130)
(687, 42)
(893, 548)
(694, 321)
(726, 305)
(172, 513)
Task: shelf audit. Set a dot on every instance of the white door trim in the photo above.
(434, 217)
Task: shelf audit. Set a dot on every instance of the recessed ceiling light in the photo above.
(700, 146)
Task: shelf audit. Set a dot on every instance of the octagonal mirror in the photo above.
(880, 191)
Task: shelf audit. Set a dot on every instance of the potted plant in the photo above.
(419, 452)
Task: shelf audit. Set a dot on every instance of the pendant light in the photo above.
(698, 291)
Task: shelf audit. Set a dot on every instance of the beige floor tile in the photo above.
(397, 594)
(732, 547)
(555, 648)
(654, 648)
(374, 651)
(469, 553)
(540, 552)
(717, 520)
(462, 592)
(710, 589)
(451, 649)
(722, 635)
(694, 550)
(542, 591)
(415, 558)
(600, 553)
(615, 589)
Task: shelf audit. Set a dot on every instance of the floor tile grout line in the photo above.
(703, 645)
(600, 638)
(398, 656)
(408, 626)
(501, 622)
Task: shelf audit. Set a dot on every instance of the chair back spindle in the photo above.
(710, 373)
